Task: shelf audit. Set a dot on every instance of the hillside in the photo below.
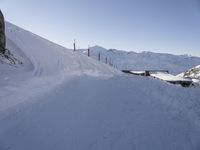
(60, 99)
(145, 60)
(44, 63)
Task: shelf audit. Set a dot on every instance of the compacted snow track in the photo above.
(89, 113)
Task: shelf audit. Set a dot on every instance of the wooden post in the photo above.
(74, 45)
(88, 51)
(99, 56)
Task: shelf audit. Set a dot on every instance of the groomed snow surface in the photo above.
(62, 100)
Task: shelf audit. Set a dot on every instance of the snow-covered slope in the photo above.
(45, 64)
(60, 99)
(47, 58)
(146, 60)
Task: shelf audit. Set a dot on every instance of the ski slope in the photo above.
(60, 99)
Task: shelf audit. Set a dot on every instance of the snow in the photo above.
(88, 113)
(168, 77)
(45, 64)
(138, 72)
(193, 73)
(60, 99)
(124, 60)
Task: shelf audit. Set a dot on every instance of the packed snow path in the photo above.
(93, 114)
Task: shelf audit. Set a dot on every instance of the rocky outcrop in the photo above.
(2, 34)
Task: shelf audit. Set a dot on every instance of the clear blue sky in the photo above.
(166, 26)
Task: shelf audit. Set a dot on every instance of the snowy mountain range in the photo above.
(145, 60)
(60, 99)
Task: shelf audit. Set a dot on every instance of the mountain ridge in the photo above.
(144, 60)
